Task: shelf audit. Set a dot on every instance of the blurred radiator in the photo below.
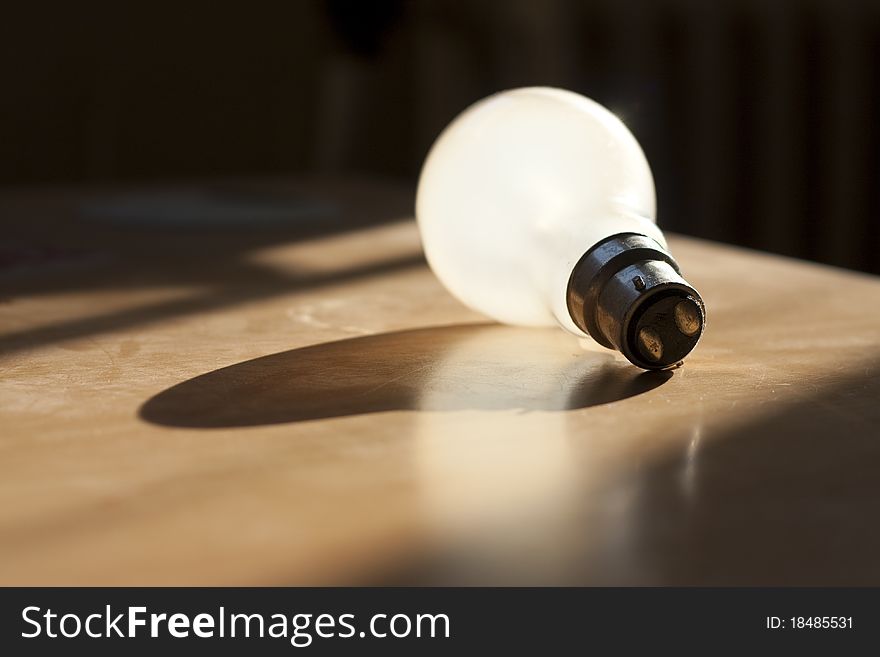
(760, 119)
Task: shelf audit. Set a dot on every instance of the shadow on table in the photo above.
(190, 237)
(261, 285)
(790, 499)
(483, 366)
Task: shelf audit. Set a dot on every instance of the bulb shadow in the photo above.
(463, 367)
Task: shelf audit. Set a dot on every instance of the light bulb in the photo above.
(536, 207)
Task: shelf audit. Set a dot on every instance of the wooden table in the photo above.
(296, 400)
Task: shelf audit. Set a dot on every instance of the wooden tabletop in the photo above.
(262, 383)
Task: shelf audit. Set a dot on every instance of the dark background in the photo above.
(760, 118)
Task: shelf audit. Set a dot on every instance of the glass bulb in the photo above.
(536, 207)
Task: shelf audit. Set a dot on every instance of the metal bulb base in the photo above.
(627, 293)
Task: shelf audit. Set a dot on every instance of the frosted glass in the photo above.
(517, 188)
